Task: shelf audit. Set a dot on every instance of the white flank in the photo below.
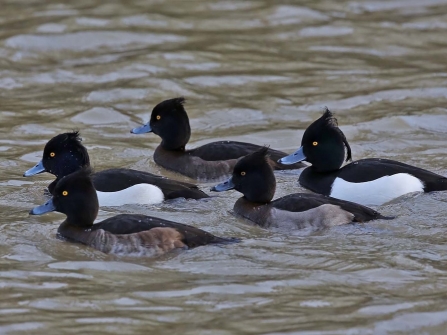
(145, 194)
(376, 192)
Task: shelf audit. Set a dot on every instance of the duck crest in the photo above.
(332, 122)
(261, 154)
(74, 135)
(69, 139)
(330, 118)
(255, 159)
(180, 102)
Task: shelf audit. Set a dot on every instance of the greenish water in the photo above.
(256, 71)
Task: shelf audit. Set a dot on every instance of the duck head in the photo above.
(323, 145)
(74, 196)
(62, 155)
(253, 177)
(169, 121)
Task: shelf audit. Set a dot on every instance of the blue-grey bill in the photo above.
(228, 185)
(296, 157)
(47, 207)
(146, 128)
(34, 170)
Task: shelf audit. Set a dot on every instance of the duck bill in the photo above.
(296, 157)
(228, 185)
(48, 207)
(39, 168)
(146, 128)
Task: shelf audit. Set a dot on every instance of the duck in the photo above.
(253, 177)
(65, 154)
(370, 181)
(125, 234)
(211, 162)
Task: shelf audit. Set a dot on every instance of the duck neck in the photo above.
(82, 217)
(256, 201)
(170, 146)
(175, 134)
(323, 170)
(177, 139)
(75, 232)
(255, 212)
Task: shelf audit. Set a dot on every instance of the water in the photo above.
(257, 71)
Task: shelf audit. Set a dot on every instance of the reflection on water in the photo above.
(256, 71)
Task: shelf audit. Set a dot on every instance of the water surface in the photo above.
(256, 71)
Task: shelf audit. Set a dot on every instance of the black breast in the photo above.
(316, 181)
(257, 213)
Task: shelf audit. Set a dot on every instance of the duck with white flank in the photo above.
(64, 154)
(371, 181)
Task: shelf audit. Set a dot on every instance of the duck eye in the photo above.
(52, 154)
(64, 193)
(243, 173)
(158, 117)
(315, 143)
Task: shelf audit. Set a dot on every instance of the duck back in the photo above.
(153, 242)
(139, 235)
(369, 169)
(299, 202)
(214, 161)
(226, 150)
(113, 180)
(135, 223)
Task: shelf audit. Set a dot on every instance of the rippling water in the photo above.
(256, 71)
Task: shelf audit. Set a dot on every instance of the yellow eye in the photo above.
(315, 143)
(158, 117)
(64, 193)
(242, 173)
(52, 154)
